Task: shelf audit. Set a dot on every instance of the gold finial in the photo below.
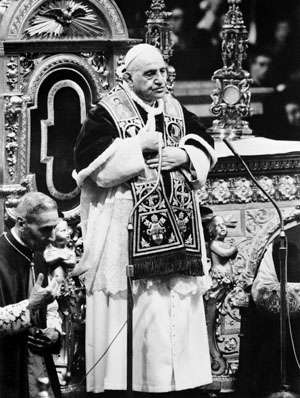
(231, 98)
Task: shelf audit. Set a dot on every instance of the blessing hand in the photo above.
(41, 296)
(172, 157)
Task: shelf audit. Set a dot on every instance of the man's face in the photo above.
(37, 232)
(292, 111)
(176, 20)
(260, 68)
(148, 77)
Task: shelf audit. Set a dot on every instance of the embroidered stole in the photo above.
(166, 237)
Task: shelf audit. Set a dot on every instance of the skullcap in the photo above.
(138, 50)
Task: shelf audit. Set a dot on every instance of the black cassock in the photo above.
(14, 279)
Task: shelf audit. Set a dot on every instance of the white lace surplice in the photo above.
(170, 338)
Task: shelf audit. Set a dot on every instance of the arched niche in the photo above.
(59, 58)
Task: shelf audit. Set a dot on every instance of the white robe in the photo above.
(170, 345)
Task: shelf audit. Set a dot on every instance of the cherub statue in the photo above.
(57, 254)
(221, 252)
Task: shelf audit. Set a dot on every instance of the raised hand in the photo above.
(41, 296)
(172, 158)
(149, 138)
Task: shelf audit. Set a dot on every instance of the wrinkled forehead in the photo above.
(46, 218)
(151, 59)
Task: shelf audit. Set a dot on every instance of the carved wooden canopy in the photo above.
(58, 58)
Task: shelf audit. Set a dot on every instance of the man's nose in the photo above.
(160, 78)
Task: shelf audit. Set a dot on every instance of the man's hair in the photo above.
(33, 203)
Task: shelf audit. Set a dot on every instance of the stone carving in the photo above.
(116, 22)
(158, 32)
(63, 60)
(99, 63)
(243, 191)
(12, 72)
(263, 237)
(64, 19)
(257, 219)
(114, 18)
(287, 188)
(220, 192)
(26, 64)
(268, 185)
(13, 107)
(221, 254)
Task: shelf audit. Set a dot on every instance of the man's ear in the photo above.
(20, 222)
(127, 77)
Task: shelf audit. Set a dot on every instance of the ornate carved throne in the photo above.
(57, 58)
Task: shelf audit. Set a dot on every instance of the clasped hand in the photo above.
(171, 158)
(149, 139)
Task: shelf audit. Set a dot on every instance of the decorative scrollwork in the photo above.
(158, 32)
(99, 63)
(287, 188)
(13, 108)
(268, 185)
(26, 64)
(64, 18)
(12, 72)
(243, 190)
(220, 192)
(231, 98)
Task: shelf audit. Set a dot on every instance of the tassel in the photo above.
(166, 264)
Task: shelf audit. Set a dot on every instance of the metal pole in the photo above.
(283, 310)
(129, 274)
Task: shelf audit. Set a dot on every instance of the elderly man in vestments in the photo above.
(30, 325)
(117, 157)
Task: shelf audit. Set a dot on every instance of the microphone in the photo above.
(231, 103)
(283, 393)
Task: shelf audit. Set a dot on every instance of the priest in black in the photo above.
(29, 322)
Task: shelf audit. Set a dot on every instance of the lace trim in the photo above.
(14, 317)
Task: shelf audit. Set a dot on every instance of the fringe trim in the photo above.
(166, 264)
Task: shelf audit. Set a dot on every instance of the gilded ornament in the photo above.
(243, 190)
(287, 188)
(13, 107)
(12, 72)
(64, 19)
(220, 192)
(268, 185)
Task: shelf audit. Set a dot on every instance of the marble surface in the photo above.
(257, 146)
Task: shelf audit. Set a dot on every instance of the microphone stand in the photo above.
(129, 275)
(284, 388)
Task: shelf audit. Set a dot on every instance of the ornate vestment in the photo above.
(106, 165)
